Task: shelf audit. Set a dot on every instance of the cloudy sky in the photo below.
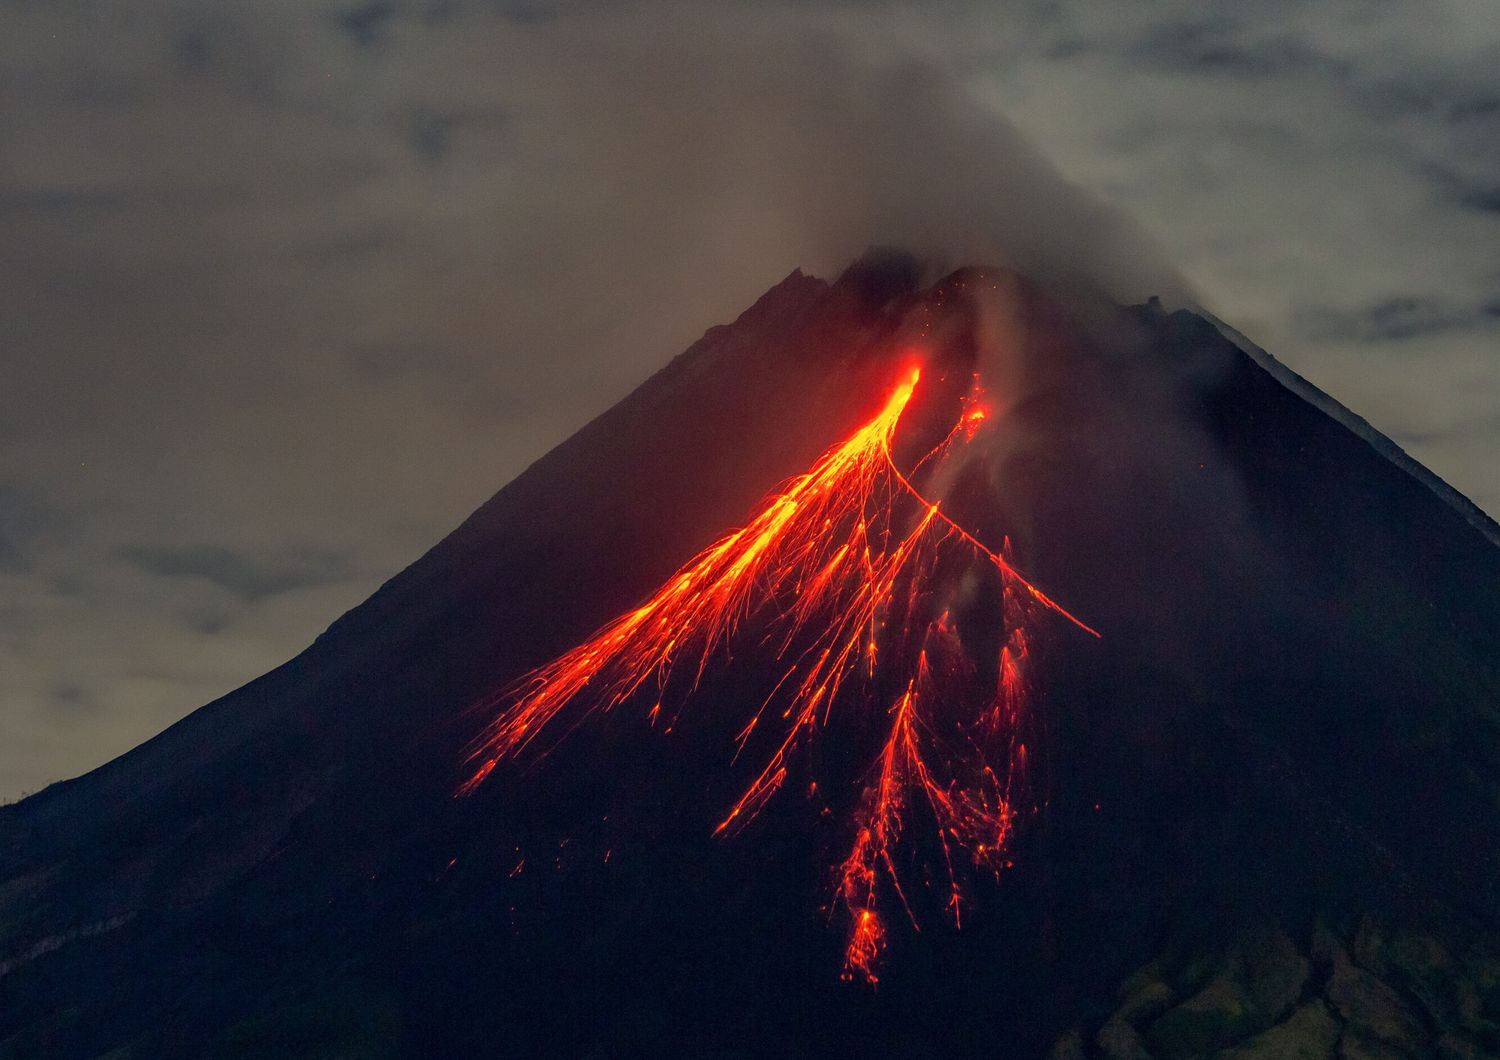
(288, 288)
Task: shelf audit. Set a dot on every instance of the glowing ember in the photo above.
(837, 572)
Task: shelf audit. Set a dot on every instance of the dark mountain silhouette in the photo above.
(1268, 794)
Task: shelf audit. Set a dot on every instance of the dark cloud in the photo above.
(74, 699)
(1457, 104)
(193, 50)
(250, 578)
(1395, 318)
(1218, 46)
(1482, 107)
(432, 133)
(27, 522)
(367, 23)
(208, 622)
(1485, 200)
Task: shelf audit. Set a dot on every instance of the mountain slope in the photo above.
(1277, 766)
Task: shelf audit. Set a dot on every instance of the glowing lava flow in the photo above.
(835, 570)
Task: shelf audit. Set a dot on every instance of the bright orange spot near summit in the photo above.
(837, 570)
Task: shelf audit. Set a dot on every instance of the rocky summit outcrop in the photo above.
(1357, 994)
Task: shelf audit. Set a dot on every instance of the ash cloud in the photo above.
(725, 143)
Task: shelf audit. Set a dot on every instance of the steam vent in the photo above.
(906, 669)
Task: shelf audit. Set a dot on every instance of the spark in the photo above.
(836, 572)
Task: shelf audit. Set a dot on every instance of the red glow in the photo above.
(836, 569)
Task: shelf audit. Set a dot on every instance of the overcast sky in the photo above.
(288, 288)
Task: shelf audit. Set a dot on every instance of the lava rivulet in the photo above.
(835, 581)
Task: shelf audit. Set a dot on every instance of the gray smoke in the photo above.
(709, 143)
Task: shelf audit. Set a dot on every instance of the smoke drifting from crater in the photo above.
(709, 144)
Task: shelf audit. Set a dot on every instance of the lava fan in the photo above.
(1267, 793)
(849, 580)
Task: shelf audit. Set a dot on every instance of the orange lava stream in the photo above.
(965, 786)
(838, 589)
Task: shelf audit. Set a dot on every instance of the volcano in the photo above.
(903, 670)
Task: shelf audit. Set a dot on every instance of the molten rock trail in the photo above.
(845, 579)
